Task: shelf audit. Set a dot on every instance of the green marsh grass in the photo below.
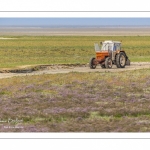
(28, 50)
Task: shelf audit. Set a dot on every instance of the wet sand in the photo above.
(75, 31)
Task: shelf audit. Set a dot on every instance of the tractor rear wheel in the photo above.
(121, 60)
(92, 63)
(108, 63)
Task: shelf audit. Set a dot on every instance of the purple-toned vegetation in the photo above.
(76, 102)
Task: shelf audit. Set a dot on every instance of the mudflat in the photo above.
(57, 69)
(75, 31)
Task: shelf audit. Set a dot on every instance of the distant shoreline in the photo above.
(76, 31)
(77, 26)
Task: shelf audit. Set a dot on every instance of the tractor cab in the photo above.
(111, 45)
(108, 46)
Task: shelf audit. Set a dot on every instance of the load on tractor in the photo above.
(110, 53)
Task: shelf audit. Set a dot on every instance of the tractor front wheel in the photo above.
(108, 63)
(92, 63)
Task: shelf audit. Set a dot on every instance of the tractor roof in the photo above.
(110, 41)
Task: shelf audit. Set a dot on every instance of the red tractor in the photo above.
(109, 54)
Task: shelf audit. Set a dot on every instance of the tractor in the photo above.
(109, 54)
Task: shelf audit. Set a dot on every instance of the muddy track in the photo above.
(54, 69)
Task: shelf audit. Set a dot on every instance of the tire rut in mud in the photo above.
(42, 67)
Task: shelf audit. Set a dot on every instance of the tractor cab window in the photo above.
(107, 46)
(117, 46)
(97, 48)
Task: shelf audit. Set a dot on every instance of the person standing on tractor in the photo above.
(114, 48)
